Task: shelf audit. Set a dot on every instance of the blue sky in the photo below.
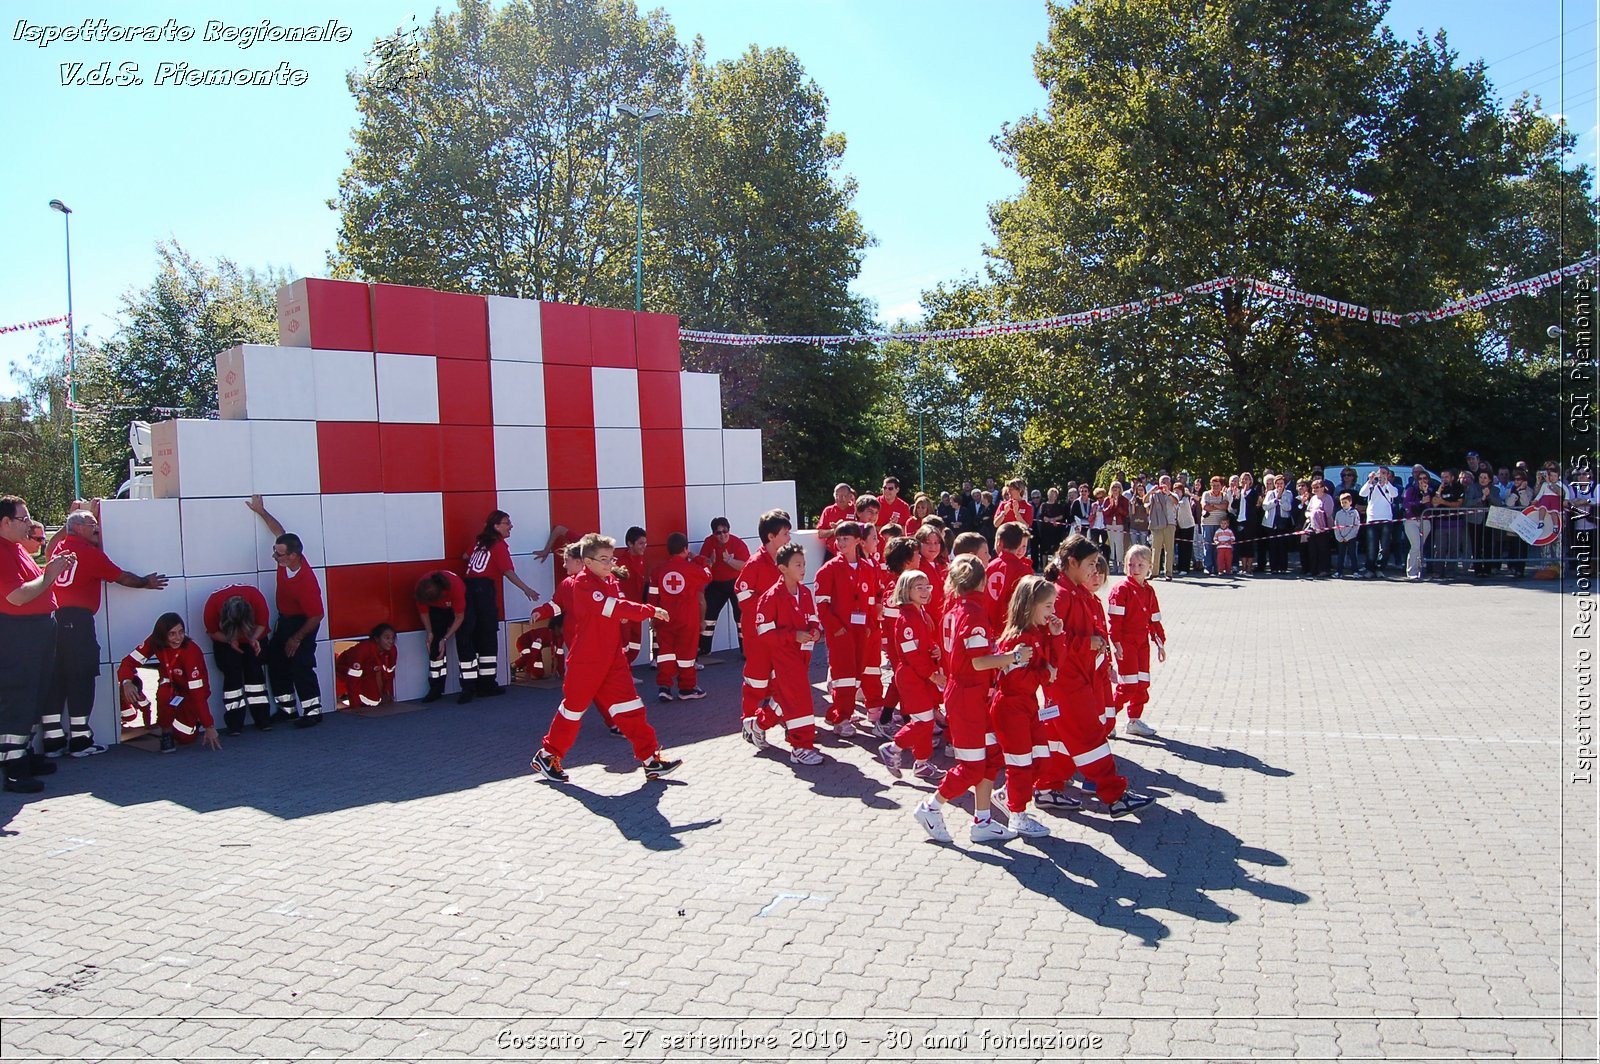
(917, 87)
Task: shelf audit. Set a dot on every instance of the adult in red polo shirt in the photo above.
(726, 554)
(442, 607)
(77, 652)
(843, 508)
(27, 634)
(235, 617)
(292, 651)
(892, 509)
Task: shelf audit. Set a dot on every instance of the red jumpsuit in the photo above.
(915, 644)
(936, 571)
(1000, 579)
(676, 586)
(966, 696)
(755, 580)
(530, 652)
(1014, 714)
(596, 668)
(366, 674)
(631, 577)
(847, 600)
(1074, 704)
(780, 615)
(183, 697)
(1135, 620)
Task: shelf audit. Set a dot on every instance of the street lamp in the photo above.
(643, 116)
(72, 352)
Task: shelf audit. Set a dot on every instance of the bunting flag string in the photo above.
(25, 326)
(1266, 289)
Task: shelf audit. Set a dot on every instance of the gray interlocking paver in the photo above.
(1317, 853)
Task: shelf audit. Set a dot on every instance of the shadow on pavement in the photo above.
(635, 813)
(1218, 756)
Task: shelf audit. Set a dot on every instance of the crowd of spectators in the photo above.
(1321, 524)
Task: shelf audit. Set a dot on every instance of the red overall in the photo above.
(1076, 730)
(596, 669)
(366, 674)
(915, 641)
(676, 586)
(780, 616)
(755, 580)
(1135, 620)
(183, 697)
(847, 602)
(966, 697)
(1000, 579)
(1014, 714)
(630, 576)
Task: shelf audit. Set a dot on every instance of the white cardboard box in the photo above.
(410, 666)
(143, 535)
(530, 519)
(346, 385)
(299, 514)
(414, 526)
(704, 505)
(355, 529)
(408, 389)
(517, 391)
(515, 332)
(131, 613)
(622, 508)
(194, 458)
(517, 606)
(744, 503)
(619, 458)
(702, 400)
(219, 536)
(520, 462)
(702, 456)
(741, 456)
(283, 457)
(616, 398)
(255, 381)
(778, 495)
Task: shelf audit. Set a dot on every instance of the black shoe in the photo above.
(548, 765)
(23, 784)
(433, 695)
(265, 727)
(39, 765)
(467, 695)
(169, 745)
(657, 766)
(281, 716)
(308, 722)
(1128, 803)
(490, 690)
(234, 731)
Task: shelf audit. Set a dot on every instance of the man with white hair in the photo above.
(76, 661)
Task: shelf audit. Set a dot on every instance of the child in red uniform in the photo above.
(366, 670)
(1008, 568)
(235, 617)
(532, 647)
(970, 663)
(678, 586)
(847, 589)
(871, 652)
(917, 674)
(899, 554)
(867, 511)
(786, 621)
(1222, 541)
(934, 561)
(755, 580)
(1014, 711)
(632, 576)
(1076, 730)
(596, 668)
(1105, 665)
(183, 710)
(551, 615)
(441, 598)
(1135, 623)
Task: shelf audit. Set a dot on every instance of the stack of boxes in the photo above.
(386, 426)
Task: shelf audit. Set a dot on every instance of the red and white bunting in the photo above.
(25, 326)
(1078, 319)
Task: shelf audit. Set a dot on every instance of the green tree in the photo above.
(36, 440)
(1290, 141)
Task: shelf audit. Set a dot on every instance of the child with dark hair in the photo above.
(366, 670)
(786, 621)
(678, 586)
(183, 695)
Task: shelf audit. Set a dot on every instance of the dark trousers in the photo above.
(478, 638)
(73, 668)
(1184, 541)
(718, 594)
(25, 647)
(244, 686)
(296, 675)
(1319, 552)
(1263, 548)
(1347, 557)
(439, 622)
(1381, 537)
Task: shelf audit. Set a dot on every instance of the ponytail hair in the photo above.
(964, 576)
(1029, 592)
(490, 534)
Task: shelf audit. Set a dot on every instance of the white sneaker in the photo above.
(1024, 824)
(932, 822)
(844, 730)
(754, 734)
(998, 796)
(927, 770)
(1139, 728)
(991, 830)
(889, 754)
(805, 755)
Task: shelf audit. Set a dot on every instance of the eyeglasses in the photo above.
(605, 561)
(37, 539)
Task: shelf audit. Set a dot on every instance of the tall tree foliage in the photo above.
(1287, 139)
(509, 169)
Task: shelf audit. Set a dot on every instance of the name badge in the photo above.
(858, 618)
(1050, 713)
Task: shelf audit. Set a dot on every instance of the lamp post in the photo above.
(643, 116)
(72, 352)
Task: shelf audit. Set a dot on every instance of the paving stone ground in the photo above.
(1366, 847)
